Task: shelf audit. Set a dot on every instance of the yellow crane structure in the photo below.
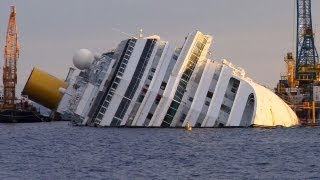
(10, 65)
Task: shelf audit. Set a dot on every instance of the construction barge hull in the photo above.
(15, 116)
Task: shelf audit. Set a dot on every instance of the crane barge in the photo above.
(12, 109)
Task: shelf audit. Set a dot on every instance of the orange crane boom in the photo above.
(10, 66)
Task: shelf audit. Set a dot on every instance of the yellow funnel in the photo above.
(43, 88)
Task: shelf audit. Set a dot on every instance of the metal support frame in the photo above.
(306, 53)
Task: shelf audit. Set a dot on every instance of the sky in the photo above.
(252, 34)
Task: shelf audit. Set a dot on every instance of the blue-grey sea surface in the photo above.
(57, 150)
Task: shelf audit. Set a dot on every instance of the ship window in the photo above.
(144, 90)
(103, 110)
(185, 77)
(153, 70)
(198, 124)
(173, 108)
(105, 104)
(178, 96)
(209, 94)
(99, 116)
(183, 117)
(140, 98)
(171, 112)
(188, 71)
(75, 86)
(163, 85)
(166, 121)
(193, 59)
(183, 83)
(121, 69)
(207, 103)
(114, 86)
(149, 116)
(158, 98)
(225, 108)
(200, 45)
(190, 99)
(180, 89)
(109, 98)
(115, 122)
(175, 57)
(117, 80)
(150, 77)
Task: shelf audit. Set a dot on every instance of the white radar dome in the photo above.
(82, 59)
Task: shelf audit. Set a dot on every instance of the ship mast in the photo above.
(10, 66)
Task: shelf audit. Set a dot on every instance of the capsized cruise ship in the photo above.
(147, 82)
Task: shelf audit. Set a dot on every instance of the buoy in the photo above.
(188, 127)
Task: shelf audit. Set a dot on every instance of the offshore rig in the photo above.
(13, 109)
(300, 85)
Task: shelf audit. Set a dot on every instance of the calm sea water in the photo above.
(59, 151)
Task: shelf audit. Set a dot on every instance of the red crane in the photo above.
(10, 66)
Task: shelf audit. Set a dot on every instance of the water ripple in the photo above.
(58, 151)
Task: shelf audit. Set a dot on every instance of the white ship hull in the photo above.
(150, 83)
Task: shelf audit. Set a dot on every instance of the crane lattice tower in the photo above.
(10, 66)
(307, 57)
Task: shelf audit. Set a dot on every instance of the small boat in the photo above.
(188, 127)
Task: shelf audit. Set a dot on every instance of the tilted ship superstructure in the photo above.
(147, 82)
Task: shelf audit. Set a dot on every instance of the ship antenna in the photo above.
(127, 34)
(140, 33)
